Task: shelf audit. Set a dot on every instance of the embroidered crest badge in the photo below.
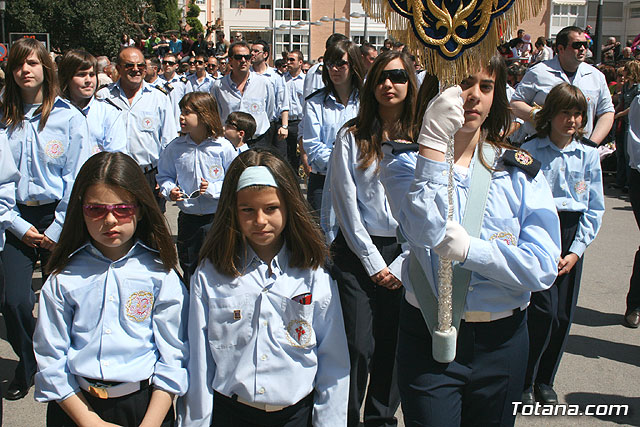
(215, 171)
(254, 107)
(139, 306)
(523, 158)
(506, 237)
(54, 149)
(580, 187)
(147, 123)
(299, 333)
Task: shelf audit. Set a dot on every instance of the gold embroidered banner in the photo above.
(450, 37)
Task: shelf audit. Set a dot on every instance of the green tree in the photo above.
(193, 20)
(167, 15)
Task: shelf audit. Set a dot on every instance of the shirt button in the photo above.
(261, 391)
(564, 203)
(444, 173)
(265, 323)
(105, 363)
(470, 288)
(264, 357)
(111, 298)
(265, 290)
(107, 331)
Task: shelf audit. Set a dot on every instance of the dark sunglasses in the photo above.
(192, 62)
(291, 59)
(212, 65)
(169, 63)
(100, 211)
(578, 45)
(130, 66)
(239, 57)
(199, 62)
(338, 64)
(397, 76)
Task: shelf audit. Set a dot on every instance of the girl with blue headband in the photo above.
(267, 340)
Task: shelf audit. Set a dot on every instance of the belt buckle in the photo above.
(477, 316)
(99, 392)
(32, 203)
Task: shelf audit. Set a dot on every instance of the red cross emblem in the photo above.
(216, 170)
(147, 122)
(300, 331)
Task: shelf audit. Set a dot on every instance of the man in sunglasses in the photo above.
(201, 81)
(294, 79)
(567, 66)
(212, 68)
(174, 84)
(246, 91)
(146, 111)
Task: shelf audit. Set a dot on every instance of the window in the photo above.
(299, 41)
(610, 10)
(634, 12)
(376, 40)
(564, 15)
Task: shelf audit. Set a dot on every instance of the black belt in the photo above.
(147, 169)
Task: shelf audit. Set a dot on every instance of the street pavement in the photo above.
(601, 364)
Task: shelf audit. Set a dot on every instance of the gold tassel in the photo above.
(451, 71)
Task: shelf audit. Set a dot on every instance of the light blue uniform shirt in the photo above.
(183, 163)
(196, 85)
(519, 245)
(575, 178)
(257, 99)
(106, 128)
(122, 321)
(295, 88)
(9, 177)
(48, 161)
(280, 92)
(176, 89)
(323, 117)
(313, 79)
(242, 148)
(633, 137)
(542, 77)
(149, 121)
(247, 336)
(359, 202)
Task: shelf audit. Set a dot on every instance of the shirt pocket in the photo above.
(52, 151)
(230, 322)
(213, 167)
(506, 230)
(297, 331)
(137, 300)
(87, 302)
(578, 186)
(254, 105)
(147, 121)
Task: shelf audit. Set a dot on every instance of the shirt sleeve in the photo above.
(168, 130)
(317, 152)
(167, 174)
(9, 177)
(605, 103)
(526, 89)
(332, 377)
(591, 219)
(345, 203)
(51, 343)
(196, 406)
(79, 151)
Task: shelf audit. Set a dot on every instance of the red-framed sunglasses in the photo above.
(100, 211)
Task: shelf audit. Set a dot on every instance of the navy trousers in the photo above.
(551, 312)
(192, 230)
(371, 315)
(314, 192)
(633, 297)
(477, 388)
(19, 261)
(228, 412)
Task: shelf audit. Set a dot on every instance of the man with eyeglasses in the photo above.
(201, 81)
(279, 117)
(247, 91)
(146, 111)
(212, 68)
(567, 66)
(151, 71)
(294, 80)
(174, 84)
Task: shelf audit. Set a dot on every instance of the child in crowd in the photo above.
(111, 341)
(239, 128)
(268, 343)
(191, 170)
(572, 168)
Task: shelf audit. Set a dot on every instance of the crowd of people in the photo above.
(296, 309)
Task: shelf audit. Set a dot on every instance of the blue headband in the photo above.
(256, 175)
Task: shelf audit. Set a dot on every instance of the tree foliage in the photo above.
(193, 20)
(94, 25)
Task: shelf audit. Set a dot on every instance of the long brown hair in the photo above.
(499, 118)
(206, 108)
(367, 126)
(120, 171)
(225, 244)
(12, 107)
(73, 61)
(562, 97)
(335, 53)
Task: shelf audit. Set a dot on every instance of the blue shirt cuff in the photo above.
(478, 254)
(578, 248)
(170, 379)
(431, 170)
(20, 227)
(53, 231)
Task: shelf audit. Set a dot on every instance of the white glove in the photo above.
(455, 245)
(443, 118)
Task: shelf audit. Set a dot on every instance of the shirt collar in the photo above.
(546, 142)
(278, 264)
(89, 247)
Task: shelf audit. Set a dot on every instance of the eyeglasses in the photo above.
(130, 66)
(338, 64)
(192, 62)
(398, 76)
(291, 59)
(212, 65)
(199, 62)
(239, 57)
(169, 63)
(121, 211)
(578, 45)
